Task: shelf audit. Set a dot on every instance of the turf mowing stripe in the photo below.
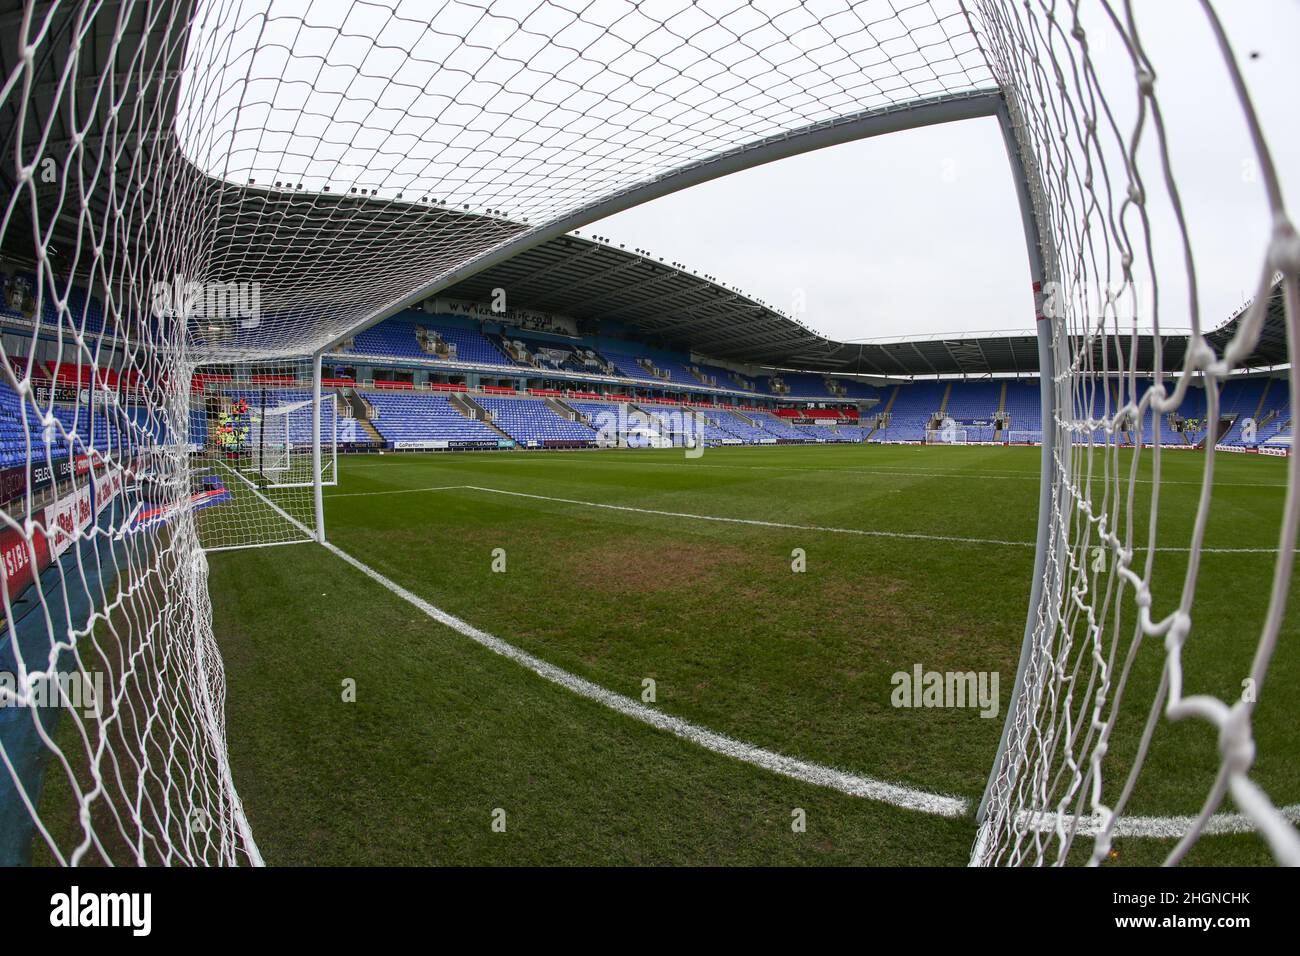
(763, 524)
(911, 536)
(609, 458)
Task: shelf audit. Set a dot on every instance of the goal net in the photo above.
(1116, 644)
(256, 430)
(222, 192)
(946, 434)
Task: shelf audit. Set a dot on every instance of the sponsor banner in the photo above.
(417, 445)
(58, 527)
(522, 318)
(107, 487)
(1275, 451)
(19, 563)
(62, 392)
(37, 475)
(65, 518)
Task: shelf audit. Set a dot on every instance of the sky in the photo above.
(918, 233)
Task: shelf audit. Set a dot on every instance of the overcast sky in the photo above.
(919, 232)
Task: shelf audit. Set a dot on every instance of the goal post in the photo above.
(266, 444)
(1022, 436)
(947, 434)
(1058, 791)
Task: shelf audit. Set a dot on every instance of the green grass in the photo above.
(443, 731)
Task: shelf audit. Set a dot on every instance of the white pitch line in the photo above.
(947, 539)
(1165, 828)
(803, 770)
(854, 785)
(818, 529)
(396, 491)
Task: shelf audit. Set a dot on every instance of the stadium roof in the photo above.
(333, 262)
(593, 281)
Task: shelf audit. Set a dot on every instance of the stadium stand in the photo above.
(914, 408)
(1024, 410)
(804, 385)
(401, 337)
(1261, 400)
(533, 423)
(774, 426)
(971, 402)
(628, 366)
(677, 372)
(407, 418)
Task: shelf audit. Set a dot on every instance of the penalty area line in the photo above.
(817, 774)
(854, 785)
(850, 784)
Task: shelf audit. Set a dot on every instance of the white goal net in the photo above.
(201, 197)
(946, 434)
(256, 430)
(1106, 665)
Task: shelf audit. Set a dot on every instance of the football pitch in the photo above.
(633, 657)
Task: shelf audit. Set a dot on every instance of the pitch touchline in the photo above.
(820, 529)
(820, 775)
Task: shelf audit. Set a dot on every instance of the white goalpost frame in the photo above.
(946, 436)
(1028, 821)
(1022, 437)
(324, 470)
(1041, 600)
(318, 499)
(271, 442)
(296, 469)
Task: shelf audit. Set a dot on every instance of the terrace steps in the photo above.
(1002, 410)
(361, 409)
(1263, 398)
(893, 396)
(476, 412)
(884, 412)
(563, 410)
